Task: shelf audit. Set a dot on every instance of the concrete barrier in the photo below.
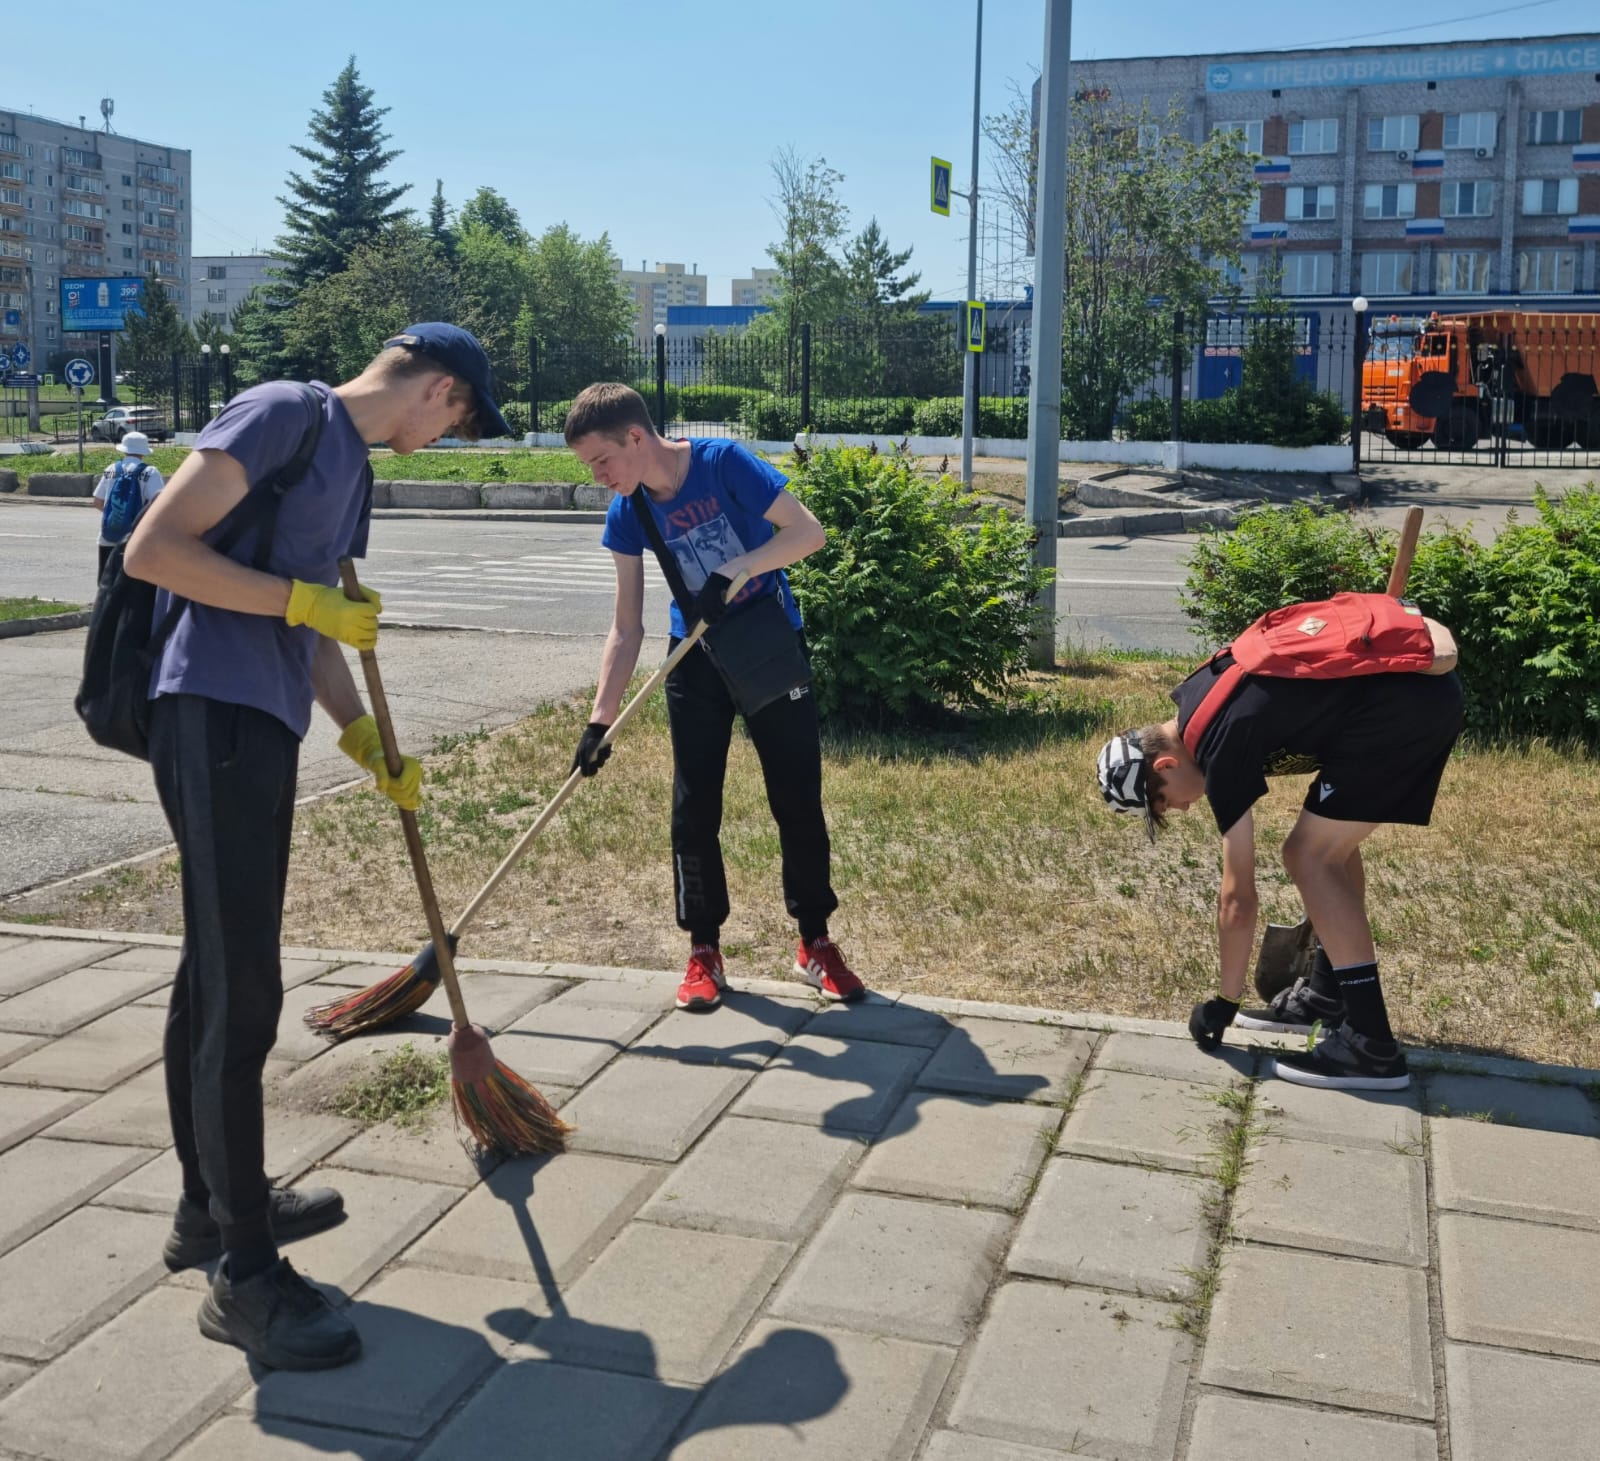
(9, 481)
(380, 493)
(434, 494)
(61, 484)
(527, 494)
(591, 495)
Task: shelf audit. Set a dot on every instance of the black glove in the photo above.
(710, 604)
(591, 755)
(1207, 1021)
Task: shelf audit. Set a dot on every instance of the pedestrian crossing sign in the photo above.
(941, 186)
(975, 325)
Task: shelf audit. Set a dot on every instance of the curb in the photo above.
(1148, 523)
(17, 628)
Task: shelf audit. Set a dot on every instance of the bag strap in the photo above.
(259, 505)
(664, 555)
(1211, 703)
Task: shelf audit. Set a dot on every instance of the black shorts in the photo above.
(1392, 753)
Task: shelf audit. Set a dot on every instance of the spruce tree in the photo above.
(344, 203)
(443, 235)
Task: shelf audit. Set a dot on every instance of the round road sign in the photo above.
(79, 373)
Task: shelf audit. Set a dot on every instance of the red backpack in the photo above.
(1349, 634)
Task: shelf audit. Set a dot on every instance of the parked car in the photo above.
(122, 419)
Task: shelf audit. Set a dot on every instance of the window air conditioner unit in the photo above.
(1403, 155)
(1483, 152)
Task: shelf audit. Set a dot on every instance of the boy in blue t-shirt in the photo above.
(721, 511)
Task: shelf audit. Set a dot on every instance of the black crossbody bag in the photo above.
(755, 648)
(124, 640)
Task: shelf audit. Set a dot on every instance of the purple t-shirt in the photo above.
(257, 659)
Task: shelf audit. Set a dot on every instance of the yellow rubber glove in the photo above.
(363, 745)
(329, 612)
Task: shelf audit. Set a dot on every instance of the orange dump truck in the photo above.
(1538, 374)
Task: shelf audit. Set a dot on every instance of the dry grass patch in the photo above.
(979, 863)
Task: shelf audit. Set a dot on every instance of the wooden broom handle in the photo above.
(1404, 552)
(408, 820)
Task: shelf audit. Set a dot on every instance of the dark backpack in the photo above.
(124, 500)
(1347, 635)
(124, 641)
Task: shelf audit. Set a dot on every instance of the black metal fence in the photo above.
(1497, 389)
(1285, 377)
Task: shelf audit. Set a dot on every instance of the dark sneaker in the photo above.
(1293, 1011)
(279, 1320)
(1346, 1061)
(820, 962)
(703, 982)
(297, 1212)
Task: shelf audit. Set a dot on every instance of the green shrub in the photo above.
(714, 403)
(1525, 609)
(770, 418)
(517, 415)
(922, 599)
(999, 416)
(1306, 418)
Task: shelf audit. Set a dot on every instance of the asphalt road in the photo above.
(542, 591)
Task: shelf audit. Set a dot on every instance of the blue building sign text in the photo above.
(1387, 68)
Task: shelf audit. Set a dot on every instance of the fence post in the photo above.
(661, 379)
(533, 383)
(177, 393)
(1177, 375)
(805, 376)
(1360, 307)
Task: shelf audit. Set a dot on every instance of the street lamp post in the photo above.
(1359, 305)
(661, 379)
(227, 372)
(204, 411)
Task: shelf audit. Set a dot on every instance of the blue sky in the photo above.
(655, 123)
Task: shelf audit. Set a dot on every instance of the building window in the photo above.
(1321, 134)
(1390, 200)
(1387, 273)
(1550, 195)
(216, 271)
(1307, 273)
(127, 253)
(1466, 200)
(1547, 271)
(1471, 129)
(1461, 271)
(127, 228)
(1392, 134)
(1243, 276)
(1249, 139)
(1555, 126)
(1309, 203)
(216, 296)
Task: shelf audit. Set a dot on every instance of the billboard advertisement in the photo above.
(99, 304)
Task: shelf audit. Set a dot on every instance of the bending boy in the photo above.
(1379, 744)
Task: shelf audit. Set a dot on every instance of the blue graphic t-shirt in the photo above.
(717, 515)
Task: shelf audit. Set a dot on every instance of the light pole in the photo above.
(1359, 305)
(227, 372)
(969, 378)
(205, 378)
(661, 378)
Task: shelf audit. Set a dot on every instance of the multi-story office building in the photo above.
(656, 290)
(220, 283)
(76, 202)
(759, 288)
(1439, 170)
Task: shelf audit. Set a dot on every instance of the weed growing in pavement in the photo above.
(403, 1086)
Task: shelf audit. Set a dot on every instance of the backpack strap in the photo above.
(664, 555)
(1212, 702)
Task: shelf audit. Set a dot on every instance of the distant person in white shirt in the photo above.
(125, 487)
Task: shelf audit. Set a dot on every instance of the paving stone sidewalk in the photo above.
(911, 1229)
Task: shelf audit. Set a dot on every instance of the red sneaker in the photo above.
(821, 964)
(704, 982)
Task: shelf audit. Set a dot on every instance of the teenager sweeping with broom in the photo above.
(709, 511)
(232, 692)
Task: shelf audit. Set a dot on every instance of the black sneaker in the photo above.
(297, 1212)
(1346, 1061)
(1293, 1011)
(279, 1320)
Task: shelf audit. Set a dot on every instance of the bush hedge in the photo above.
(1314, 418)
(1525, 609)
(922, 599)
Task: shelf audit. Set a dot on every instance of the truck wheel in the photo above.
(1458, 431)
(1406, 440)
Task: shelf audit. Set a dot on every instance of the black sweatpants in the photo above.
(226, 778)
(785, 735)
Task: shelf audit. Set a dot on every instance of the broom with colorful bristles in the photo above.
(500, 1110)
(411, 986)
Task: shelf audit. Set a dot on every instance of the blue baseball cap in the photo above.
(459, 352)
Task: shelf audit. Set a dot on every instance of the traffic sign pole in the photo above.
(78, 392)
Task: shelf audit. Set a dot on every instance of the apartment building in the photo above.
(81, 202)
(759, 288)
(1467, 168)
(220, 283)
(657, 290)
